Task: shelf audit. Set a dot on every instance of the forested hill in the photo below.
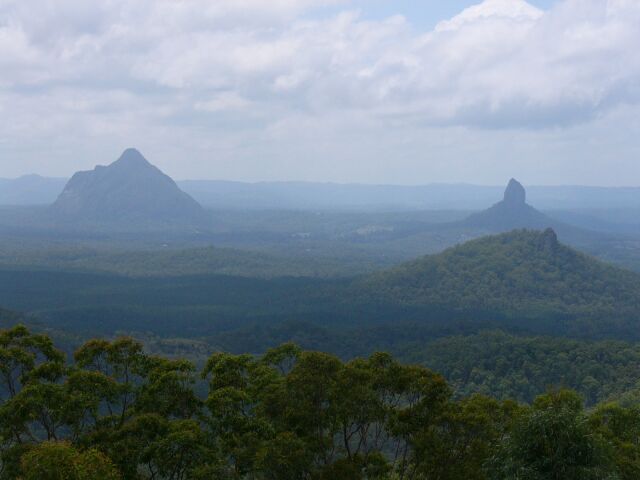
(521, 272)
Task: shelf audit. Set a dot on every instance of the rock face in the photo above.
(515, 193)
(511, 213)
(128, 190)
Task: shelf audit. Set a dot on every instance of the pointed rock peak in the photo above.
(129, 190)
(515, 193)
(131, 156)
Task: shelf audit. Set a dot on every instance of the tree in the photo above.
(553, 441)
(31, 399)
(61, 461)
(621, 427)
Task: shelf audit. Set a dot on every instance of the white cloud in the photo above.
(194, 66)
(502, 62)
(488, 10)
(223, 101)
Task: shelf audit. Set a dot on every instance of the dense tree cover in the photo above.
(494, 363)
(524, 275)
(521, 281)
(518, 271)
(169, 306)
(59, 460)
(557, 441)
(509, 366)
(116, 412)
(170, 261)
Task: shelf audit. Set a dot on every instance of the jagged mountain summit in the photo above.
(515, 194)
(129, 190)
(511, 213)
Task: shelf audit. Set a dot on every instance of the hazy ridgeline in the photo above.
(37, 190)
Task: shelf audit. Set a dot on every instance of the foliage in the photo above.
(60, 461)
(119, 412)
(553, 441)
(522, 281)
(526, 275)
(171, 262)
(621, 427)
(509, 366)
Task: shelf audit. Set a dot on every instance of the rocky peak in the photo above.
(515, 193)
(129, 190)
(510, 213)
(131, 158)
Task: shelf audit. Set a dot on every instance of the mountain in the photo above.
(30, 190)
(519, 274)
(511, 213)
(128, 190)
(37, 190)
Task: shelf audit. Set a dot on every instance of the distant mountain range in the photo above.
(128, 190)
(35, 190)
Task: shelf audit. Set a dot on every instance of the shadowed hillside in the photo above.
(526, 273)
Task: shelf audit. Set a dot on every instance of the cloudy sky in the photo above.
(372, 91)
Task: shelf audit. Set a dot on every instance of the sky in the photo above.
(364, 91)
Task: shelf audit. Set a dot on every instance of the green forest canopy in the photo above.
(117, 412)
(519, 271)
(521, 281)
